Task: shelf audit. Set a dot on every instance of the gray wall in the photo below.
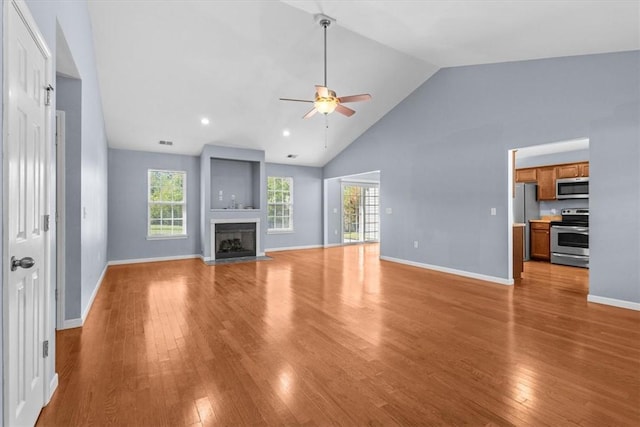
(69, 99)
(307, 207)
(73, 18)
(443, 154)
(128, 195)
(2, 216)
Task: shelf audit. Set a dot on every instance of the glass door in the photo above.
(360, 213)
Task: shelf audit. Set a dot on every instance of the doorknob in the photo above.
(26, 262)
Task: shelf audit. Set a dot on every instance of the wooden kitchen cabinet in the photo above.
(540, 240)
(546, 183)
(584, 169)
(526, 175)
(572, 170)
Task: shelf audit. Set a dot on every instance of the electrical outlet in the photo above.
(335, 210)
(415, 244)
(389, 211)
(220, 195)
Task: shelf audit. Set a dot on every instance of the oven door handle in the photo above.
(571, 256)
(582, 230)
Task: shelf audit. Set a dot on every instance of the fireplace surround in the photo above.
(235, 238)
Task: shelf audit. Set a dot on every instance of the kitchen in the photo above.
(551, 203)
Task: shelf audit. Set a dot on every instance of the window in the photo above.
(167, 204)
(280, 203)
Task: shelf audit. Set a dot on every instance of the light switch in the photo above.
(493, 211)
(335, 210)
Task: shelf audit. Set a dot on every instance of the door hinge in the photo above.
(45, 221)
(45, 349)
(47, 97)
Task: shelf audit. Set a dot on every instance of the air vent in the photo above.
(292, 156)
(165, 142)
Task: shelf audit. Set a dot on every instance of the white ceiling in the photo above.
(163, 65)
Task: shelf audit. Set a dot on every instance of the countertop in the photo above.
(547, 219)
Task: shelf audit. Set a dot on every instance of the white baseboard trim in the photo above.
(156, 259)
(630, 305)
(93, 294)
(53, 385)
(78, 322)
(293, 248)
(332, 245)
(72, 323)
(498, 280)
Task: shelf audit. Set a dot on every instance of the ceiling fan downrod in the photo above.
(325, 22)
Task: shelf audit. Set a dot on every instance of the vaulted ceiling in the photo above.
(165, 65)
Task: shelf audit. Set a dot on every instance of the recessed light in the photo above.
(286, 132)
(205, 121)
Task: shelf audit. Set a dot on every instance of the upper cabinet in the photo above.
(574, 170)
(547, 183)
(526, 175)
(545, 176)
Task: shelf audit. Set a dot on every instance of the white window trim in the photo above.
(183, 204)
(290, 204)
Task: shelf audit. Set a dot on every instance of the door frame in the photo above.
(355, 183)
(59, 218)
(50, 382)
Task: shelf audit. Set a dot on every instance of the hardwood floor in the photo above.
(336, 336)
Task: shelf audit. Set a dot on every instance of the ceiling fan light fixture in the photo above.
(326, 105)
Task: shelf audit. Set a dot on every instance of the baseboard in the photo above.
(332, 245)
(156, 259)
(293, 248)
(498, 280)
(93, 294)
(630, 305)
(53, 385)
(72, 323)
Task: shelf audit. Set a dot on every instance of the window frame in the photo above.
(183, 203)
(290, 229)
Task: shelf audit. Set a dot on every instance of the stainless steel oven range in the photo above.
(570, 238)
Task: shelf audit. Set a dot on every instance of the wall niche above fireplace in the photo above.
(235, 184)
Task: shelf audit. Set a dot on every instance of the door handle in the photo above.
(26, 262)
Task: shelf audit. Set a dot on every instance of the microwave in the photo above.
(572, 188)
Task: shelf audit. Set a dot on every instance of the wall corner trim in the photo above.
(483, 277)
(630, 305)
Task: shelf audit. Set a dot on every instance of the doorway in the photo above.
(536, 170)
(360, 212)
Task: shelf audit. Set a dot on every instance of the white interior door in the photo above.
(26, 272)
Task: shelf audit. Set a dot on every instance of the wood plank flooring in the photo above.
(338, 337)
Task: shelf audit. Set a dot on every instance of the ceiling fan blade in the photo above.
(345, 110)
(310, 113)
(294, 100)
(355, 98)
(322, 91)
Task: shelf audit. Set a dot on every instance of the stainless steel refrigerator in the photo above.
(525, 208)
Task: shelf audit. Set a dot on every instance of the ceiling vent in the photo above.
(165, 142)
(292, 156)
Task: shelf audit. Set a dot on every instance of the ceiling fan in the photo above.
(326, 101)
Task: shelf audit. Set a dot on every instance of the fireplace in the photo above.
(234, 239)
